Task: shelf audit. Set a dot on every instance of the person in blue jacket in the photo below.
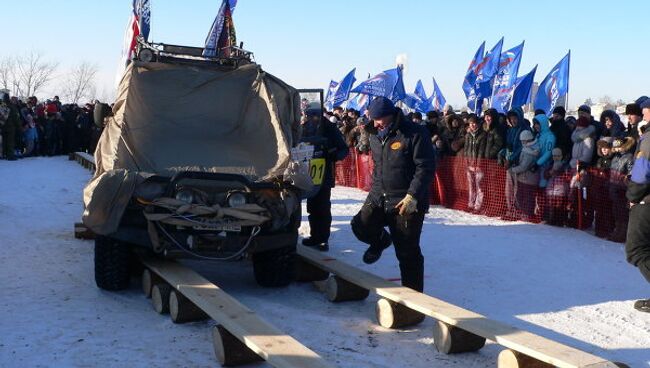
(546, 143)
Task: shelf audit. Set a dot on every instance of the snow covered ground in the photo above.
(560, 283)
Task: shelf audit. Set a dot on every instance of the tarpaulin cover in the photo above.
(172, 117)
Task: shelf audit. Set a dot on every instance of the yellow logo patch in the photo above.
(395, 146)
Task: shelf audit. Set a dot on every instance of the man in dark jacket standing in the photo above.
(637, 245)
(399, 197)
(319, 206)
(561, 131)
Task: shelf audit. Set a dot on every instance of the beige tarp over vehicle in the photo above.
(175, 117)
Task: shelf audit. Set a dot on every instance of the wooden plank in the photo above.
(277, 348)
(535, 346)
(85, 159)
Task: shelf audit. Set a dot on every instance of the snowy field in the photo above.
(560, 283)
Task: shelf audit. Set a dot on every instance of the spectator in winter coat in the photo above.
(360, 136)
(545, 143)
(637, 245)
(619, 178)
(634, 116)
(582, 152)
(604, 223)
(582, 155)
(516, 124)
(474, 153)
(557, 190)
(585, 111)
(30, 137)
(526, 176)
(613, 126)
(493, 134)
(561, 130)
(455, 134)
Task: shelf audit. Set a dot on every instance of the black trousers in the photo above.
(637, 246)
(319, 208)
(405, 233)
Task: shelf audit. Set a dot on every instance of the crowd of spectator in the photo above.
(45, 128)
(561, 170)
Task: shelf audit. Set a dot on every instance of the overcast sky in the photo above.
(307, 43)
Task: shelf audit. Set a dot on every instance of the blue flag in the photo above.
(470, 76)
(486, 70)
(554, 86)
(342, 92)
(330, 92)
(387, 84)
(359, 102)
(418, 100)
(505, 79)
(142, 10)
(522, 88)
(438, 101)
(211, 41)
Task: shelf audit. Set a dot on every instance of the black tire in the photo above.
(274, 268)
(112, 261)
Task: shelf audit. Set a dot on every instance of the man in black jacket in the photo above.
(319, 206)
(399, 197)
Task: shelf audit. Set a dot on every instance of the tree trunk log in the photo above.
(229, 350)
(307, 272)
(149, 279)
(395, 315)
(340, 290)
(452, 340)
(513, 359)
(182, 310)
(160, 297)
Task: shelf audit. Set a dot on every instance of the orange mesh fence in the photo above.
(588, 200)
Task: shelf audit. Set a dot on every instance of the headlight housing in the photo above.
(236, 199)
(185, 195)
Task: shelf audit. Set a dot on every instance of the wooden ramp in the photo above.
(529, 344)
(275, 347)
(86, 160)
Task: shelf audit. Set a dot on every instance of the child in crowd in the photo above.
(557, 190)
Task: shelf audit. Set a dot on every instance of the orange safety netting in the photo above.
(585, 200)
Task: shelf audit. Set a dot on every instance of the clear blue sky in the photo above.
(307, 43)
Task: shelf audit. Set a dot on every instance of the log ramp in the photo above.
(456, 330)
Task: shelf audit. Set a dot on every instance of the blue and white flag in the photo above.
(505, 78)
(438, 101)
(522, 89)
(142, 10)
(470, 75)
(342, 92)
(554, 86)
(211, 41)
(486, 71)
(331, 89)
(387, 84)
(418, 100)
(358, 102)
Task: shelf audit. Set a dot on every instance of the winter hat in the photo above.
(645, 104)
(432, 115)
(560, 110)
(640, 100)
(381, 107)
(583, 122)
(633, 109)
(584, 108)
(556, 151)
(526, 135)
(617, 142)
(605, 142)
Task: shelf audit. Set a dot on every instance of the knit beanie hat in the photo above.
(526, 135)
(381, 107)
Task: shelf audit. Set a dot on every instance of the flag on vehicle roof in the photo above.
(387, 84)
(438, 101)
(222, 33)
(139, 25)
(342, 92)
(470, 76)
(554, 86)
(505, 78)
(522, 89)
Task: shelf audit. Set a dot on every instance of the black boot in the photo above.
(373, 253)
(318, 245)
(642, 305)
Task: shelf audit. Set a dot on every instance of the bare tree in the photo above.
(7, 72)
(32, 73)
(80, 82)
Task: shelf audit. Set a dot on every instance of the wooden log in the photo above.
(182, 310)
(394, 315)
(82, 232)
(160, 297)
(452, 340)
(308, 272)
(231, 352)
(513, 359)
(149, 279)
(340, 290)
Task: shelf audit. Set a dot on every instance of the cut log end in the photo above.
(514, 359)
(229, 351)
(149, 279)
(340, 290)
(182, 310)
(395, 315)
(452, 340)
(160, 298)
(307, 272)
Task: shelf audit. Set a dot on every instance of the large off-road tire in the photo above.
(274, 268)
(112, 260)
